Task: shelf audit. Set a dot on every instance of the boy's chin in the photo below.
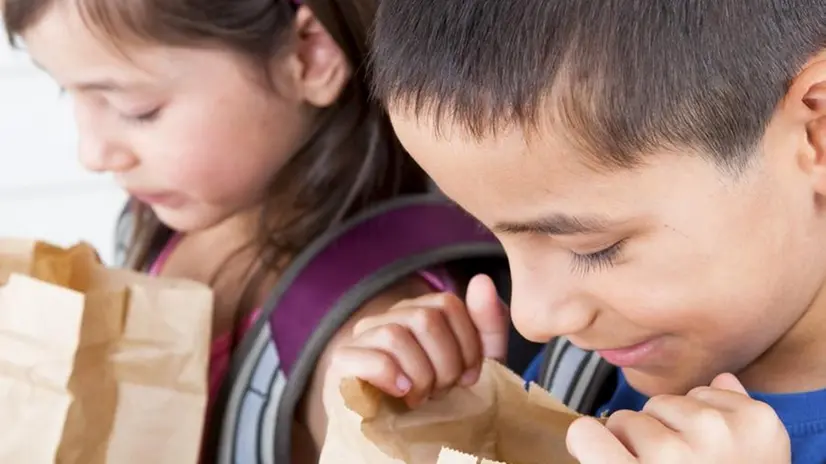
(660, 383)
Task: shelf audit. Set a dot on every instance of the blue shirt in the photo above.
(803, 414)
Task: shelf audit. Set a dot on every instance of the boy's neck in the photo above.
(796, 362)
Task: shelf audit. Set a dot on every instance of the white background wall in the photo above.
(44, 193)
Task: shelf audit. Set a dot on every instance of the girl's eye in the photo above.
(599, 260)
(144, 117)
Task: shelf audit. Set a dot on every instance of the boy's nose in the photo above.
(542, 312)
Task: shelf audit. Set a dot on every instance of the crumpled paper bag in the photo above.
(98, 365)
(494, 421)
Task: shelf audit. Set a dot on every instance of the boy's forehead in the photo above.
(574, 146)
(442, 144)
(511, 176)
(500, 170)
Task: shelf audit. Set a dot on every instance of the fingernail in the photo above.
(469, 378)
(403, 383)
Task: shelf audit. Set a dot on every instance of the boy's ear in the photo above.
(322, 69)
(816, 135)
(808, 94)
(816, 132)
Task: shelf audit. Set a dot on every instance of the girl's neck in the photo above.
(224, 257)
(236, 231)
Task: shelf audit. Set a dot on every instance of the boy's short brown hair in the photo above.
(625, 76)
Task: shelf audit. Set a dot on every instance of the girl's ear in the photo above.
(321, 69)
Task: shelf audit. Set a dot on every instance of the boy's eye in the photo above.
(598, 260)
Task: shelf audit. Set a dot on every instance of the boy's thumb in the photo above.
(728, 382)
(489, 315)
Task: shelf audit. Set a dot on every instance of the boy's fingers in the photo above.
(679, 413)
(589, 442)
(453, 310)
(399, 311)
(397, 342)
(728, 382)
(466, 333)
(722, 399)
(374, 367)
(740, 411)
(436, 337)
(489, 315)
(645, 437)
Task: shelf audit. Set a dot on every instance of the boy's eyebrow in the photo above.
(557, 224)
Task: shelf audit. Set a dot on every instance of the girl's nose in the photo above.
(104, 160)
(100, 146)
(98, 154)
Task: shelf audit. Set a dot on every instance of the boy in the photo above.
(656, 170)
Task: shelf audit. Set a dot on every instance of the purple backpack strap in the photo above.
(351, 265)
(346, 268)
(337, 274)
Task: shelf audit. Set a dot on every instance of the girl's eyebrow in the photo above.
(101, 85)
(106, 85)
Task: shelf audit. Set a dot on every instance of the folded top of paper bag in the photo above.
(496, 420)
(99, 365)
(63, 267)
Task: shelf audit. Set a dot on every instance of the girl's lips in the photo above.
(169, 200)
(630, 356)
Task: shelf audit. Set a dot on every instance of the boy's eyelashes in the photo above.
(599, 260)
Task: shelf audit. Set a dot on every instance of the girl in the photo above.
(242, 130)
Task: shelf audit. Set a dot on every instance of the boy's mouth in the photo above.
(633, 355)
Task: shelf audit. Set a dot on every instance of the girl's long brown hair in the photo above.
(353, 158)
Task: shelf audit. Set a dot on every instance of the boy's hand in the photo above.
(424, 346)
(710, 425)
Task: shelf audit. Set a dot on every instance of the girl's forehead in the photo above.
(77, 57)
(63, 43)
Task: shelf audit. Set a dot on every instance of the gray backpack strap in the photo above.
(575, 376)
(125, 227)
(323, 287)
(123, 233)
